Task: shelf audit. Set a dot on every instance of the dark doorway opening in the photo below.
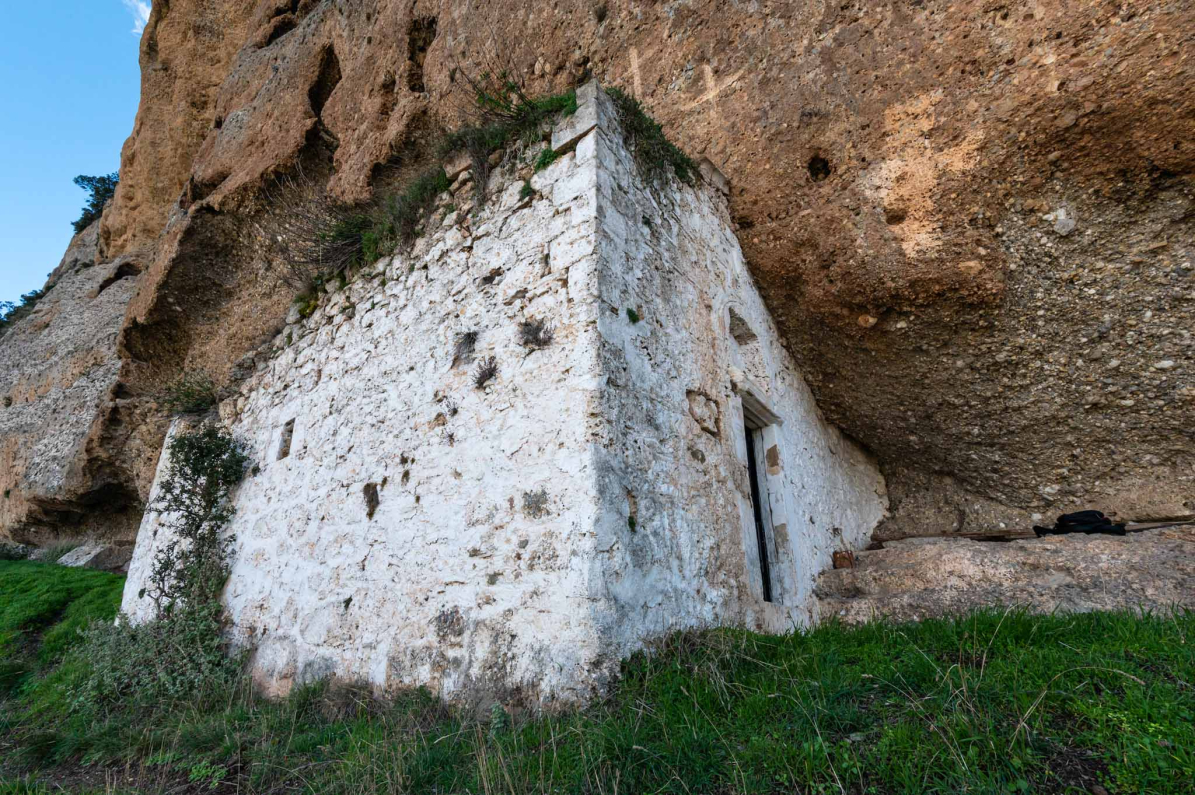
(761, 535)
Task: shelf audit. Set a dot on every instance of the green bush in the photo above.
(205, 465)
(10, 313)
(655, 155)
(179, 658)
(100, 189)
(181, 655)
(193, 392)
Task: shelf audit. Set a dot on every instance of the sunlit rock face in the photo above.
(971, 223)
(58, 390)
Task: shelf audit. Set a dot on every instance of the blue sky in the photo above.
(71, 85)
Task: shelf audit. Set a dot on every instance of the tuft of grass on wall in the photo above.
(546, 158)
(502, 114)
(193, 392)
(404, 214)
(320, 240)
(656, 156)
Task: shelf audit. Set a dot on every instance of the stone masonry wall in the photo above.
(470, 572)
(672, 453)
(404, 527)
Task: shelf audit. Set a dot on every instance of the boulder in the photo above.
(95, 555)
(920, 578)
(13, 551)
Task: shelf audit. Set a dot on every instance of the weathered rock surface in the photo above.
(14, 551)
(59, 415)
(921, 578)
(93, 555)
(973, 221)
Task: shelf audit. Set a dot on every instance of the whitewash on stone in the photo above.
(515, 541)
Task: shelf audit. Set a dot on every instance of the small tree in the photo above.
(180, 657)
(10, 313)
(205, 466)
(102, 189)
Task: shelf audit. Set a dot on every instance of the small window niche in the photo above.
(284, 441)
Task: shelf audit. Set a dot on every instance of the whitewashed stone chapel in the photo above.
(659, 464)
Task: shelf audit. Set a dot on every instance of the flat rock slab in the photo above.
(106, 557)
(923, 578)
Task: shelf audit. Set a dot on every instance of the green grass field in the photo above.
(991, 703)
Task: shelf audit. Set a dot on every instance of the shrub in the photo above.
(101, 189)
(632, 315)
(655, 155)
(487, 370)
(205, 465)
(157, 664)
(191, 393)
(181, 655)
(10, 313)
(466, 343)
(536, 334)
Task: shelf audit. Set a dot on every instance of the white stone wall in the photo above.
(500, 557)
(673, 450)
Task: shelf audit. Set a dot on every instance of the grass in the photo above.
(42, 608)
(192, 392)
(990, 703)
(655, 155)
(545, 159)
(327, 241)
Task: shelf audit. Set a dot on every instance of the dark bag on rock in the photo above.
(1087, 522)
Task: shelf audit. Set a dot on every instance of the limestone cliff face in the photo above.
(187, 51)
(973, 220)
(60, 416)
